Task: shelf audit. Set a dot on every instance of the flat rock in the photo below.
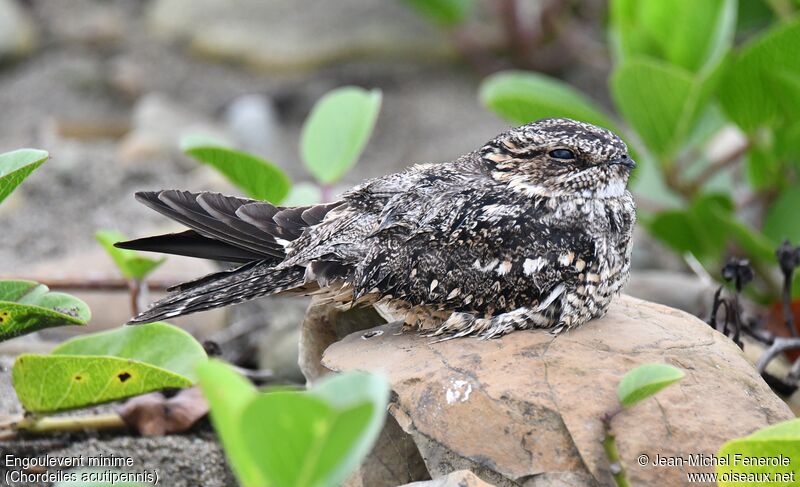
(297, 34)
(525, 409)
(18, 35)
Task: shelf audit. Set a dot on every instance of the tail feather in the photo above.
(247, 282)
(253, 233)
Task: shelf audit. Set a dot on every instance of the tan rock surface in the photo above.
(459, 478)
(525, 408)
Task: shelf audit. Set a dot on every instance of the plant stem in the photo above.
(516, 40)
(103, 284)
(788, 316)
(610, 447)
(779, 346)
(716, 166)
(326, 192)
(34, 424)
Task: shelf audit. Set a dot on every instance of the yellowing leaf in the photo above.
(48, 383)
(158, 344)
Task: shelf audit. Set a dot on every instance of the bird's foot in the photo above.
(465, 324)
(457, 325)
(560, 328)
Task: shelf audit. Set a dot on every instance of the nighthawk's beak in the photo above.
(623, 161)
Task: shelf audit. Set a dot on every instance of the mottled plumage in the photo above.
(533, 230)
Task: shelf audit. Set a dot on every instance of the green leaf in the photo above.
(258, 178)
(522, 97)
(754, 15)
(779, 441)
(787, 143)
(17, 165)
(443, 12)
(298, 438)
(305, 440)
(228, 393)
(781, 221)
(129, 262)
(661, 102)
(754, 88)
(686, 33)
(27, 306)
(755, 243)
(348, 390)
(158, 344)
(646, 380)
(701, 229)
(49, 383)
(337, 130)
(762, 165)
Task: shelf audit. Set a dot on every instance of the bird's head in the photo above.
(560, 157)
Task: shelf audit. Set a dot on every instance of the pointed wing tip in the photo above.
(125, 244)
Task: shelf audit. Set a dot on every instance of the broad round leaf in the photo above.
(774, 450)
(348, 390)
(686, 33)
(702, 229)
(258, 178)
(522, 97)
(27, 306)
(646, 380)
(301, 440)
(759, 80)
(228, 393)
(48, 383)
(661, 102)
(295, 438)
(17, 165)
(132, 264)
(159, 344)
(337, 130)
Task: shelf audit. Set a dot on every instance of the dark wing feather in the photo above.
(191, 244)
(185, 206)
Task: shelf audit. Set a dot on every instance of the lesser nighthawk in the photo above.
(532, 230)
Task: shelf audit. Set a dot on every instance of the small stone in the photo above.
(157, 127)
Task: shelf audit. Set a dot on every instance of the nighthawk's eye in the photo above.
(562, 154)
